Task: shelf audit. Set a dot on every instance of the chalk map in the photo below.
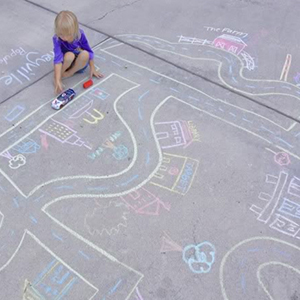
(135, 151)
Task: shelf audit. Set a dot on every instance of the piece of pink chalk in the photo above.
(88, 83)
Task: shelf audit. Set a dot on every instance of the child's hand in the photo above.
(58, 87)
(96, 74)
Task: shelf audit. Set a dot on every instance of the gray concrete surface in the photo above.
(176, 176)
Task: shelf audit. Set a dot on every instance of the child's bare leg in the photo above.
(68, 59)
(81, 60)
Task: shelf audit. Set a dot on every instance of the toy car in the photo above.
(63, 99)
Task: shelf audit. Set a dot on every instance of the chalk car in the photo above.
(63, 99)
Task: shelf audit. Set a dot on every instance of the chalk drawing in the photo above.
(285, 225)
(286, 67)
(120, 152)
(297, 78)
(241, 83)
(55, 281)
(143, 202)
(24, 72)
(220, 118)
(138, 295)
(6, 154)
(193, 40)
(230, 43)
(282, 158)
(108, 144)
(247, 58)
(280, 210)
(112, 290)
(294, 187)
(62, 133)
(174, 134)
(79, 108)
(99, 93)
(17, 161)
(27, 146)
(95, 119)
(19, 51)
(160, 163)
(107, 218)
(44, 141)
(14, 113)
(98, 257)
(194, 131)
(226, 30)
(240, 270)
(59, 278)
(168, 245)
(200, 257)
(96, 153)
(113, 137)
(180, 183)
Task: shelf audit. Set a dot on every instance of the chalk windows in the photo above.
(220, 45)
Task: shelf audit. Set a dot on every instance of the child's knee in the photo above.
(69, 57)
(84, 55)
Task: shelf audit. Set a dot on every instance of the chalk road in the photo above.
(124, 152)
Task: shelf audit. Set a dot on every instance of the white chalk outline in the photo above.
(173, 188)
(1, 219)
(100, 250)
(55, 113)
(61, 261)
(109, 231)
(219, 75)
(258, 275)
(140, 66)
(214, 99)
(132, 189)
(208, 46)
(83, 176)
(37, 109)
(223, 262)
(160, 158)
(44, 208)
(224, 102)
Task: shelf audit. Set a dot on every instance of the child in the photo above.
(72, 53)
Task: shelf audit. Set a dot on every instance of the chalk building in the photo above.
(144, 202)
(230, 43)
(173, 134)
(176, 173)
(281, 209)
(61, 133)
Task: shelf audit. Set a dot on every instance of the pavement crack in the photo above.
(117, 8)
(105, 15)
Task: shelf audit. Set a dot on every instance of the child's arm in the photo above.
(58, 59)
(85, 46)
(93, 71)
(57, 78)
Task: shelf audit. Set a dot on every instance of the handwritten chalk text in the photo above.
(226, 30)
(33, 62)
(14, 52)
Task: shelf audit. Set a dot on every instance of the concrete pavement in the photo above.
(176, 176)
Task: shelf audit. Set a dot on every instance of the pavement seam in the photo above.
(166, 61)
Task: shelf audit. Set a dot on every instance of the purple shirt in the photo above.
(61, 47)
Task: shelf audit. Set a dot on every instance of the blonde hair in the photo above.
(66, 23)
